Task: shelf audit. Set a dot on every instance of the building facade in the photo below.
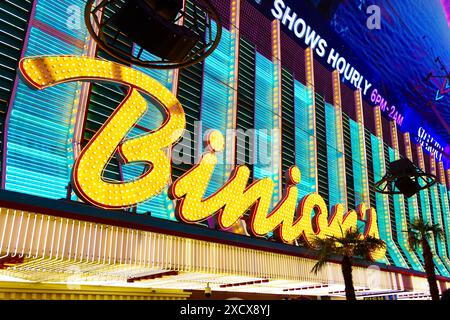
(276, 105)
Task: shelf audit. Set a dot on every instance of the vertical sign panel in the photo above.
(39, 150)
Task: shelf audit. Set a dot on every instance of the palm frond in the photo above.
(342, 231)
(350, 244)
(318, 266)
(414, 239)
(369, 244)
(436, 230)
(420, 229)
(326, 247)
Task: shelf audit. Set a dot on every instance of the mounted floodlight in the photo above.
(403, 177)
(156, 27)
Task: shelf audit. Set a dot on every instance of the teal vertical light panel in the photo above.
(159, 206)
(215, 107)
(358, 171)
(336, 195)
(14, 23)
(412, 204)
(446, 199)
(445, 216)
(39, 154)
(304, 138)
(398, 220)
(413, 210)
(426, 216)
(265, 119)
(437, 219)
(357, 165)
(63, 16)
(384, 223)
(321, 147)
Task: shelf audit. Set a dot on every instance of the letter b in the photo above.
(88, 171)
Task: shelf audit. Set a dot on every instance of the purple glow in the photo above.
(446, 5)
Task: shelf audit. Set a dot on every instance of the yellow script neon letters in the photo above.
(289, 220)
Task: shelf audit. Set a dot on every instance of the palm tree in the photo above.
(419, 233)
(349, 245)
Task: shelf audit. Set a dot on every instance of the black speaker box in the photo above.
(402, 167)
(407, 186)
(157, 35)
(168, 9)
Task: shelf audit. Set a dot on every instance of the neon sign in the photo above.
(286, 220)
(392, 111)
(427, 141)
(300, 28)
(443, 90)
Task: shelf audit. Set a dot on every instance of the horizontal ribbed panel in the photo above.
(426, 159)
(215, 94)
(305, 156)
(415, 156)
(39, 149)
(288, 122)
(15, 15)
(59, 249)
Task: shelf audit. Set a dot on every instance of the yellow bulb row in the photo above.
(420, 156)
(378, 128)
(406, 137)
(442, 173)
(336, 89)
(394, 137)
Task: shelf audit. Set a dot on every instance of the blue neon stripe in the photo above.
(336, 195)
(159, 206)
(304, 159)
(39, 152)
(426, 216)
(436, 217)
(445, 216)
(401, 226)
(215, 109)
(358, 179)
(382, 204)
(265, 121)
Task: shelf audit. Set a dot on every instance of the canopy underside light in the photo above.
(46, 249)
